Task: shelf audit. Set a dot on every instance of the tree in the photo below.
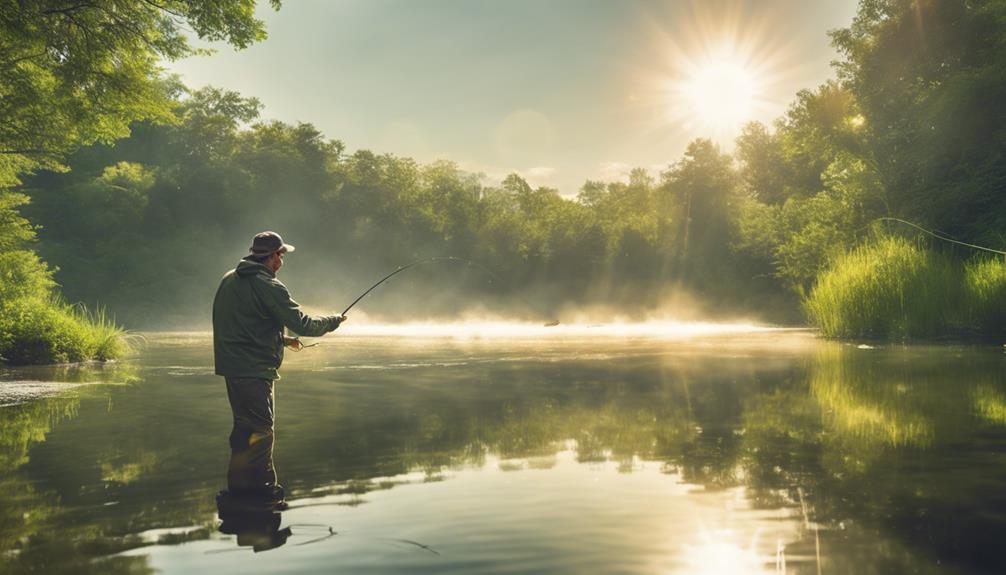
(73, 72)
(930, 76)
(700, 189)
(764, 173)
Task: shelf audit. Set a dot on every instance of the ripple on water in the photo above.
(23, 391)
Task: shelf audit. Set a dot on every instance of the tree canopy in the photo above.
(73, 73)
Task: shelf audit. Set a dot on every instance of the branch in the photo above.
(68, 9)
(15, 61)
(28, 152)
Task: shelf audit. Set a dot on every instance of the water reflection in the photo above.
(255, 524)
(563, 457)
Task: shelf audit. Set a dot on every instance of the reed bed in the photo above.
(894, 288)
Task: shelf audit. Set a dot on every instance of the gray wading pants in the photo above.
(251, 469)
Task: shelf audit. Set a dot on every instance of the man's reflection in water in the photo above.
(255, 527)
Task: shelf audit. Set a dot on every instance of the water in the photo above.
(522, 451)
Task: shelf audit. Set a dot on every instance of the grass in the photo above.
(46, 329)
(985, 294)
(896, 289)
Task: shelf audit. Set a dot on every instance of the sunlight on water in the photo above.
(718, 554)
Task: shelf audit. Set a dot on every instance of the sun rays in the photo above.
(713, 74)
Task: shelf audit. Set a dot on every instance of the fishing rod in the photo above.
(405, 267)
(435, 259)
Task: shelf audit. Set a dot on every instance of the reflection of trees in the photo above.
(887, 442)
(860, 436)
(873, 404)
(685, 413)
(35, 534)
(24, 508)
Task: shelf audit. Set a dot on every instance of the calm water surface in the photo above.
(576, 452)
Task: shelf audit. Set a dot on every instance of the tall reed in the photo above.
(891, 288)
(985, 295)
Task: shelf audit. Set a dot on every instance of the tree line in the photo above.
(146, 223)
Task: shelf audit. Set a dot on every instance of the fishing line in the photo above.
(940, 236)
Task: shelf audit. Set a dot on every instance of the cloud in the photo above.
(494, 175)
(539, 175)
(614, 171)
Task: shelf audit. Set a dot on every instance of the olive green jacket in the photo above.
(250, 310)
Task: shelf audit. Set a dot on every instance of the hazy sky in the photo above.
(558, 90)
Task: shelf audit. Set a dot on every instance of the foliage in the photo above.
(985, 294)
(15, 230)
(217, 177)
(700, 190)
(47, 330)
(927, 75)
(76, 73)
(904, 131)
(891, 288)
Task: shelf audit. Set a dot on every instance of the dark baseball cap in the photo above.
(268, 243)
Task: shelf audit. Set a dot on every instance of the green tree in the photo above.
(701, 189)
(929, 76)
(73, 73)
(765, 173)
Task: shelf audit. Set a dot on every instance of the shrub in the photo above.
(44, 329)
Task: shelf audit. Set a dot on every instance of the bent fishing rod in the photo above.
(435, 259)
(405, 267)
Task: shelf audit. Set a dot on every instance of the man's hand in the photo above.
(336, 321)
(293, 343)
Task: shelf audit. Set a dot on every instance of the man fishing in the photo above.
(250, 311)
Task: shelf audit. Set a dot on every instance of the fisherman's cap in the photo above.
(268, 243)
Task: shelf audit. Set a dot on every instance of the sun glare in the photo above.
(720, 95)
(711, 71)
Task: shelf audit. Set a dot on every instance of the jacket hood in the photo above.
(248, 268)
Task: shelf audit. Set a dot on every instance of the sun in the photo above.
(708, 70)
(714, 94)
(718, 96)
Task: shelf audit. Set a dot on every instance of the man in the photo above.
(250, 310)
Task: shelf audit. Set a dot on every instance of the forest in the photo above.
(130, 193)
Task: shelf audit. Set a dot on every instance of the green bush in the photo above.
(38, 327)
(891, 288)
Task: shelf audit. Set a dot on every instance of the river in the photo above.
(690, 449)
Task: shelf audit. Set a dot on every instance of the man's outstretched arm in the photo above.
(288, 311)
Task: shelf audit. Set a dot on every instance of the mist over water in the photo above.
(520, 330)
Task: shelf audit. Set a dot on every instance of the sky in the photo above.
(559, 91)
